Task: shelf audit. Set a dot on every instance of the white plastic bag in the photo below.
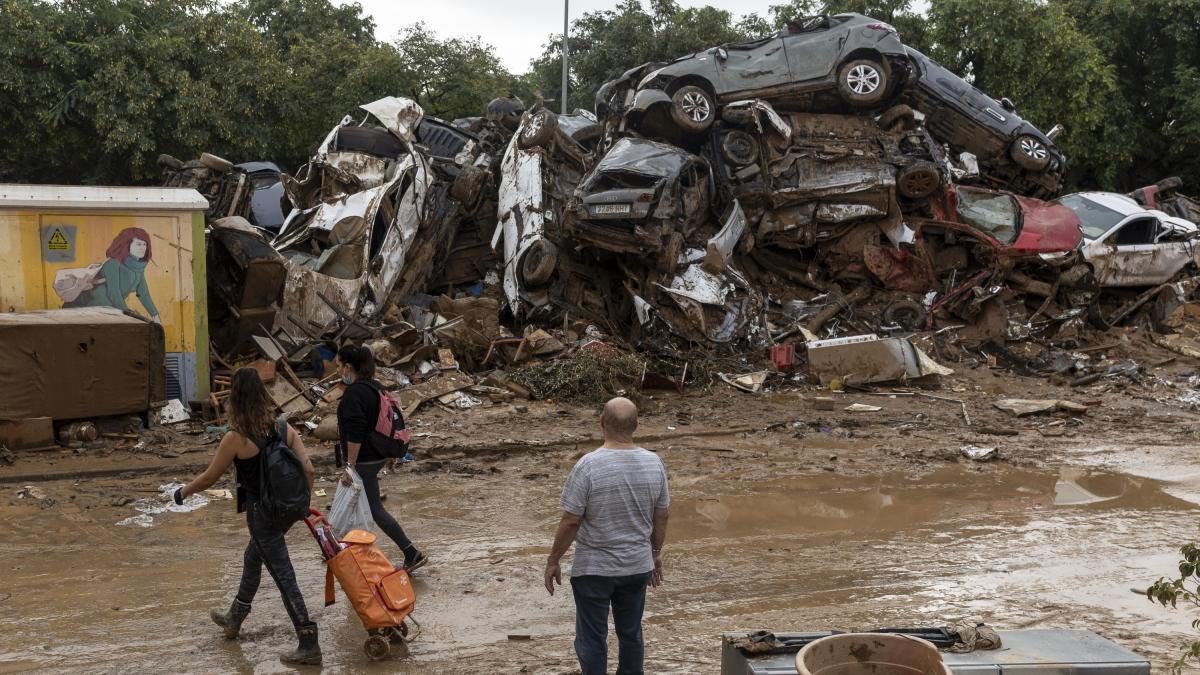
(350, 510)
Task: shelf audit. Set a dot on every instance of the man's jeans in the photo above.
(593, 596)
(267, 547)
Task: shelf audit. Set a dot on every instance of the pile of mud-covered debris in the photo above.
(824, 182)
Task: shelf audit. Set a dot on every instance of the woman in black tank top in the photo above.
(252, 426)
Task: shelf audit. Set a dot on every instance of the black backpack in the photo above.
(283, 486)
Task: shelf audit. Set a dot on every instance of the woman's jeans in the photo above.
(267, 547)
(369, 473)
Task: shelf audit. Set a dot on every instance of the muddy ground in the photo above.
(782, 517)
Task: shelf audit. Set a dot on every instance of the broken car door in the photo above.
(1129, 256)
(751, 67)
(812, 48)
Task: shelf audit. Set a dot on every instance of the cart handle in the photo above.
(311, 522)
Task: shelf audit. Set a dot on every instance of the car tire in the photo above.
(588, 135)
(693, 108)
(468, 185)
(918, 180)
(668, 257)
(907, 314)
(215, 163)
(538, 263)
(1029, 153)
(538, 130)
(170, 162)
(899, 117)
(862, 82)
(368, 140)
(739, 148)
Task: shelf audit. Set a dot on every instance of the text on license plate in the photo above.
(609, 209)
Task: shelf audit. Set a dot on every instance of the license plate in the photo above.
(609, 209)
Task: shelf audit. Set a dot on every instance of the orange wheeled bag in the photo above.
(381, 593)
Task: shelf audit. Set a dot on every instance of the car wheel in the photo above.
(538, 263)
(692, 108)
(897, 117)
(468, 185)
(907, 314)
(1029, 153)
(215, 163)
(862, 82)
(538, 130)
(740, 148)
(918, 180)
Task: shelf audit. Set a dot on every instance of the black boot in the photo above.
(414, 559)
(232, 620)
(309, 651)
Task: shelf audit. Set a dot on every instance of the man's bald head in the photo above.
(619, 419)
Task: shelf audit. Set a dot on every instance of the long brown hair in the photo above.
(251, 410)
(119, 248)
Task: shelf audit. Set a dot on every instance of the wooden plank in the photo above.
(34, 433)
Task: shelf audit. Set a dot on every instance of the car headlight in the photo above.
(649, 77)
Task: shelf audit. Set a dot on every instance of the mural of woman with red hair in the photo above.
(124, 272)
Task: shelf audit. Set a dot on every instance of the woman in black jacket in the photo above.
(357, 412)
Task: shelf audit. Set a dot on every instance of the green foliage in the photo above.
(1185, 587)
(93, 90)
(584, 378)
(1034, 53)
(606, 43)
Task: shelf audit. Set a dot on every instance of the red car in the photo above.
(1021, 226)
(974, 239)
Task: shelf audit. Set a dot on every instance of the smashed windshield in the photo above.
(1094, 219)
(996, 214)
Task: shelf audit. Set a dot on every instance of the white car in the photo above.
(357, 206)
(541, 167)
(1128, 245)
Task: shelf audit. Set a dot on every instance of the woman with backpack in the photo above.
(255, 446)
(367, 450)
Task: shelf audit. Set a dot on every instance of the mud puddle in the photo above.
(1016, 547)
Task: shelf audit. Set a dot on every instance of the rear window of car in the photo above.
(1094, 219)
(996, 214)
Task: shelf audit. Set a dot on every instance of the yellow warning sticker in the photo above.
(58, 241)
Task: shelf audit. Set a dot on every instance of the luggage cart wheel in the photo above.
(377, 647)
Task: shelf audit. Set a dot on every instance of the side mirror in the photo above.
(722, 54)
(1008, 105)
(1054, 133)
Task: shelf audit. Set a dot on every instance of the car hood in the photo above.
(1046, 227)
(644, 158)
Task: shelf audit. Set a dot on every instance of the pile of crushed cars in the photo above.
(824, 181)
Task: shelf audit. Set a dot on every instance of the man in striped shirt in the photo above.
(615, 512)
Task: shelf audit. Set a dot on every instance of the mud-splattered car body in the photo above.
(1025, 227)
(1012, 153)
(538, 175)
(642, 197)
(1128, 245)
(848, 56)
(356, 209)
(266, 194)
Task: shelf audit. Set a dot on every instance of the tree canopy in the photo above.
(93, 90)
